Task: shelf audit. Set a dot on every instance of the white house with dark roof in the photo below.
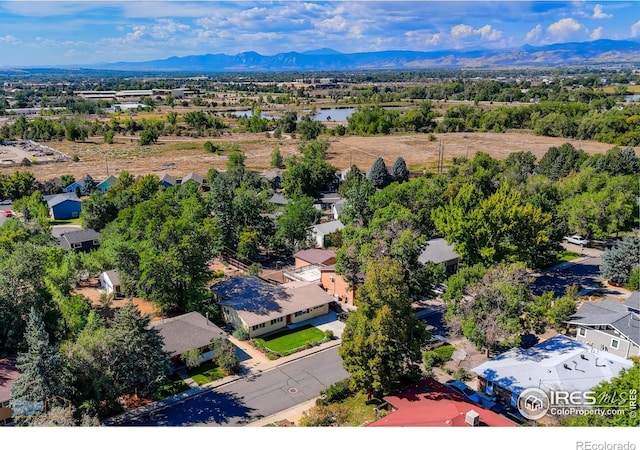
(610, 325)
(317, 233)
(437, 251)
(110, 281)
(557, 364)
(187, 332)
(83, 240)
(260, 307)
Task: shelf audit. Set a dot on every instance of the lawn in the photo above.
(174, 386)
(289, 340)
(206, 373)
(75, 221)
(563, 257)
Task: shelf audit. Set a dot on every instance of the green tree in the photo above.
(558, 162)
(378, 174)
(148, 136)
(276, 158)
(399, 170)
(140, 365)
(357, 191)
(298, 216)
(619, 261)
(97, 211)
(43, 371)
(192, 358)
(382, 339)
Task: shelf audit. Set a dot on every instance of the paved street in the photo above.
(254, 397)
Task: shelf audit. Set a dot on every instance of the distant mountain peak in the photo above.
(322, 51)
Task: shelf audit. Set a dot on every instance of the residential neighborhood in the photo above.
(448, 250)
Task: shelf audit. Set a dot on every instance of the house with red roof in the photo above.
(431, 404)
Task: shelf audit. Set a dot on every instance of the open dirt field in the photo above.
(180, 156)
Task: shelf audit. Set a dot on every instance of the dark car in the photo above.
(510, 413)
(476, 397)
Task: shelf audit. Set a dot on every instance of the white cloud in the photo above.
(461, 31)
(596, 34)
(334, 24)
(564, 28)
(489, 33)
(598, 13)
(8, 39)
(534, 34)
(635, 29)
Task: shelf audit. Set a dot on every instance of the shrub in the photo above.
(25, 162)
(438, 356)
(192, 358)
(241, 334)
(75, 158)
(229, 362)
(336, 392)
(328, 334)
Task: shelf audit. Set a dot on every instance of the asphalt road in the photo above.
(586, 274)
(253, 398)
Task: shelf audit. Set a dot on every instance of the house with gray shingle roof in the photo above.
(610, 325)
(438, 251)
(317, 233)
(187, 332)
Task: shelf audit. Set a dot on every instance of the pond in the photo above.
(324, 114)
(632, 98)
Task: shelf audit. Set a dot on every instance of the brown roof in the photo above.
(315, 255)
(257, 301)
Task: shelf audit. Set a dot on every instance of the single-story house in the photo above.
(197, 179)
(106, 184)
(314, 256)
(336, 285)
(327, 200)
(438, 251)
(610, 325)
(430, 404)
(62, 207)
(261, 307)
(557, 364)
(167, 181)
(80, 240)
(318, 232)
(187, 332)
(110, 282)
(279, 200)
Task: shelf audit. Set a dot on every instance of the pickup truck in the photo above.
(575, 239)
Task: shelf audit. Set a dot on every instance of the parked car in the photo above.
(576, 239)
(8, 213)
(476, 397)
(510, 413)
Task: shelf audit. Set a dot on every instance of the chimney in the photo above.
(472, 418)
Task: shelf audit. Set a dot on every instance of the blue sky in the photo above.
(54, 32)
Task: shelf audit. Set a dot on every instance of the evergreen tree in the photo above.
(378, 174)
(620, 260)
(44, 376)
(140, 364)
(399, 170)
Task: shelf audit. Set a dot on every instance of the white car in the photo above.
(576, 239)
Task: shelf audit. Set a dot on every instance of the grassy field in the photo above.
(290, 340)
(206, 373)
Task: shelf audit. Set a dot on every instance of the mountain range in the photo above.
(602, 51)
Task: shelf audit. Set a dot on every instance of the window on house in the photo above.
(300, 313)
(95, 242)
(75, 214)
(582, 332)
(77, 245)
(615, 343)
(279, 319)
